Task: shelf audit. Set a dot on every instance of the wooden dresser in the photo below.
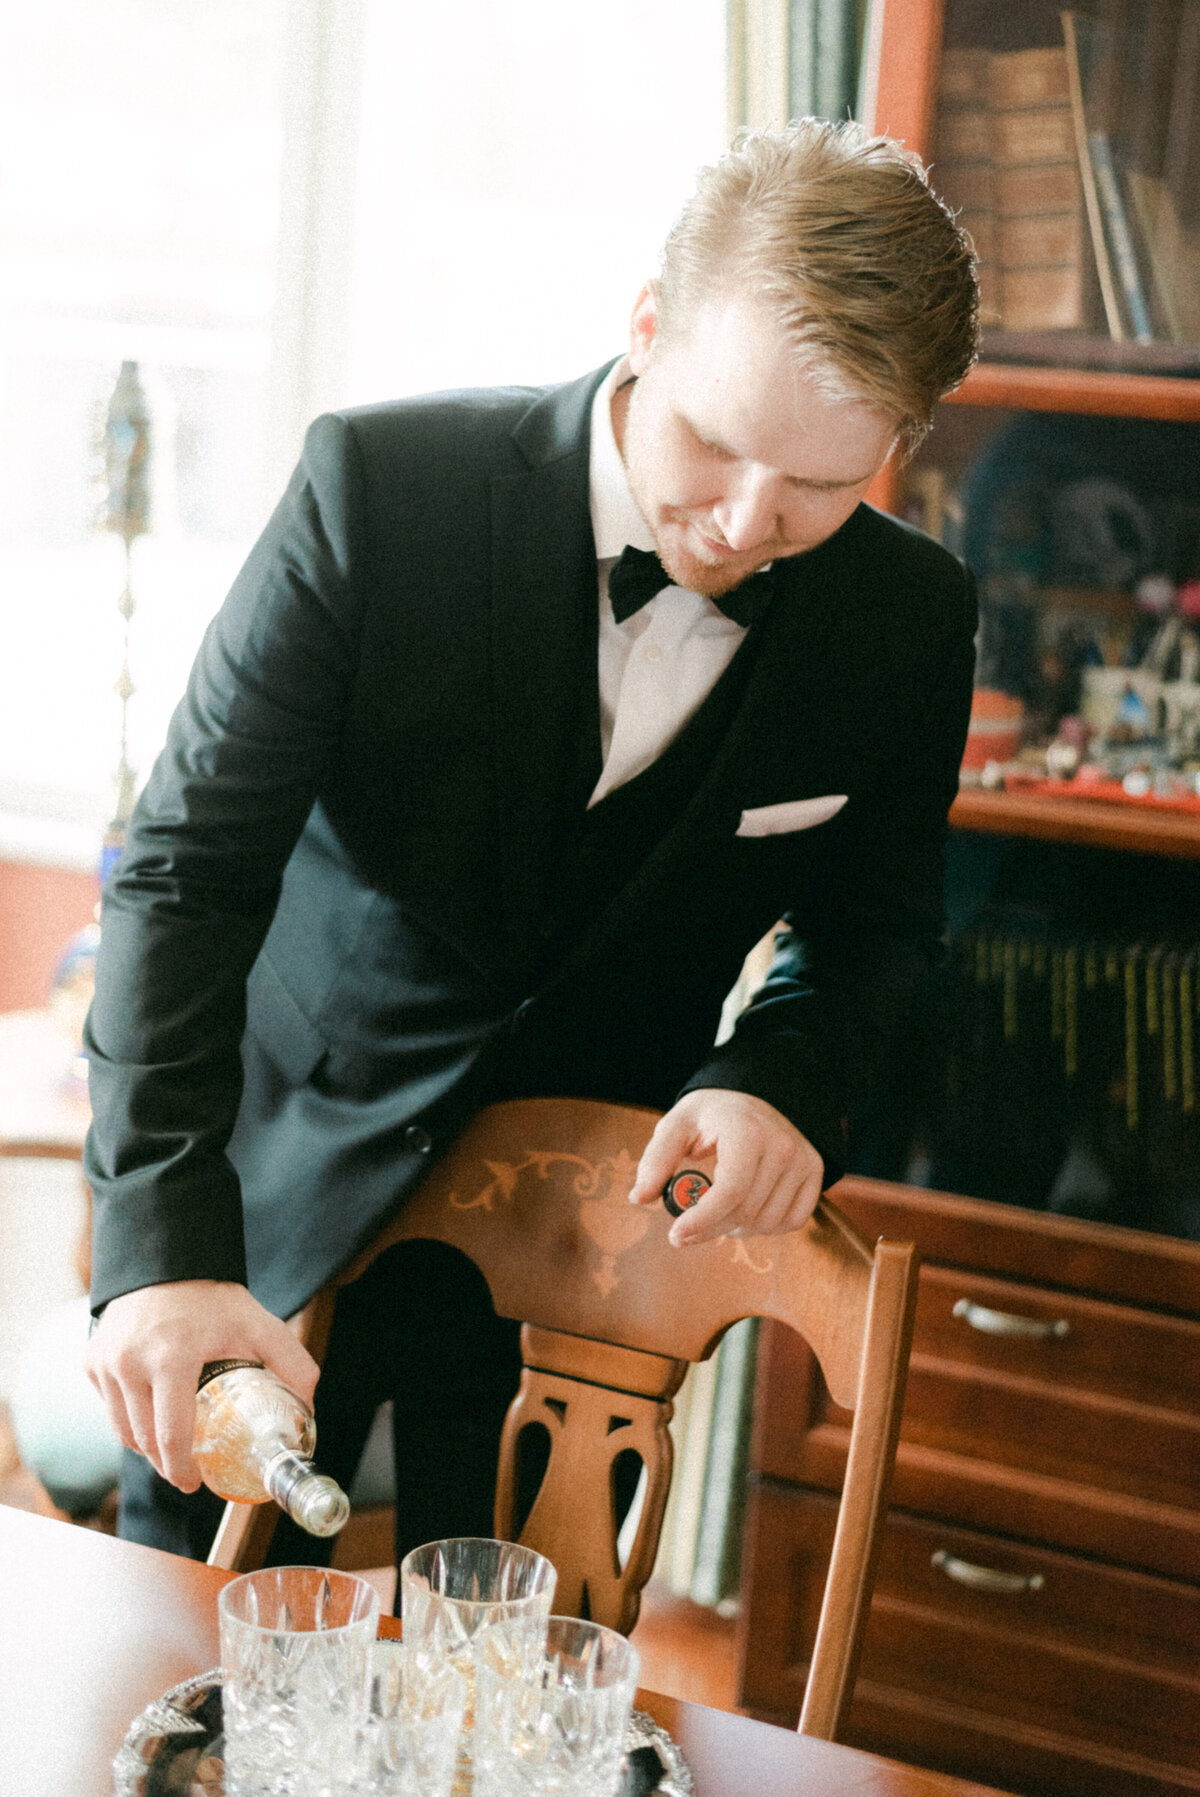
(1036, 1622)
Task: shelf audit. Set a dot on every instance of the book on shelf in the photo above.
(1032, 136)
(1181, 148)
(1146, 239)
(1006, 159)
(1172, 252)
(1120, 238)
(1087, 170)
(1038, 201)
(962, 163)
(1074, 169)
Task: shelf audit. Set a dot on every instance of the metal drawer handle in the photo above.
(1003, 1322)
(985, 1578)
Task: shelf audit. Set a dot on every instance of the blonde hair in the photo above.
(841, 235)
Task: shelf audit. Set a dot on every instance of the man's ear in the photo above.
(643, 327)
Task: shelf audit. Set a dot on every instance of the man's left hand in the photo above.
(767, 1176)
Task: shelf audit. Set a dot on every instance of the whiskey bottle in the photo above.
(254, 1440)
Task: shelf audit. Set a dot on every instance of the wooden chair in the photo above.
(535, 1193)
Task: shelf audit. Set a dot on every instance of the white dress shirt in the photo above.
(658, 667)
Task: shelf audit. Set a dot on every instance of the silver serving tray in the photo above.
(174, 1749)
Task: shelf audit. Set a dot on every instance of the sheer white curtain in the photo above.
(520, 165)
(275, 208)
(141, 165)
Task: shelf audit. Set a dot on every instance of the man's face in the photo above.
(734, 456)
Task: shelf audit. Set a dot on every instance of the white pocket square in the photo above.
(794, 814)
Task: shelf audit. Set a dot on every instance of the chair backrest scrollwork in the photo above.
(535, 1192)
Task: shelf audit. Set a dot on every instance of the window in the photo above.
(274, 208)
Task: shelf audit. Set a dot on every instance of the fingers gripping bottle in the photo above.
(254, 1440)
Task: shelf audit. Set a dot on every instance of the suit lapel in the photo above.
(776, 735)
(789, 716)
(543, 644)
(778, 743)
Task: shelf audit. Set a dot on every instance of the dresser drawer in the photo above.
(1113, 1400)
(1065, 1341)
(1084, 1676)
(1086, 1435)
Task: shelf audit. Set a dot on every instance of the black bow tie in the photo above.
(638, 575)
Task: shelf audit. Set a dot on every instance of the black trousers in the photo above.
(418, 1328)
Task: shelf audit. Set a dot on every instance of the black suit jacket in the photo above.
(327, 913)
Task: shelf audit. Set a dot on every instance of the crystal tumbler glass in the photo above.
(551, 1717)
(296, 1652)
(452, 1591)
(409, 1743)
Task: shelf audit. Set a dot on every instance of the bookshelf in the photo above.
(1024, 1532)
(917, 91)
(904, 64)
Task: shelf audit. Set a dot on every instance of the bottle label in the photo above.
(215, 1368)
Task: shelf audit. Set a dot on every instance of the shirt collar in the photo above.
(615, 518)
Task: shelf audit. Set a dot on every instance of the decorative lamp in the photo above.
(123, 445)
(124, 510)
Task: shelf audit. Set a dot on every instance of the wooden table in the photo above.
(92, 1629)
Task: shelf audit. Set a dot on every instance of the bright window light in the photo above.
(275, 206)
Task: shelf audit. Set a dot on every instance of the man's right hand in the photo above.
(147, 1351)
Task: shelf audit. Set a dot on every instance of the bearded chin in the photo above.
(710, 579)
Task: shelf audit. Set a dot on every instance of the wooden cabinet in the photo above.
(1036, 1623)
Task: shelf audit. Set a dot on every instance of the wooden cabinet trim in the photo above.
(1106, 1260)
(1088, 823)
(904, 56)
(1102, 393)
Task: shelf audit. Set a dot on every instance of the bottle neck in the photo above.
(312, 1499)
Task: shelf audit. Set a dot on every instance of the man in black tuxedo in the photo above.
(426, 833)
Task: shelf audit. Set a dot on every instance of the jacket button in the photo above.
(418, 1139)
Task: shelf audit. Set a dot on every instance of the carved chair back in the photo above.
(535, 1192)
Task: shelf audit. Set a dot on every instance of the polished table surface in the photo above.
(92, 1629)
